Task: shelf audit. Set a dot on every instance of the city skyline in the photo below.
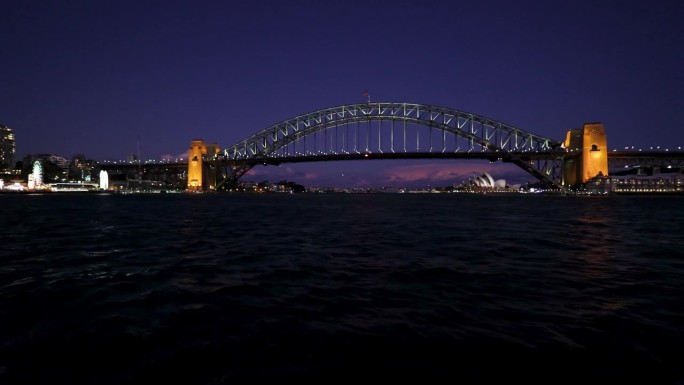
(102, 79)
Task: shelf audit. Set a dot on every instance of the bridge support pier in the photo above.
(587, 155)
(201, 177)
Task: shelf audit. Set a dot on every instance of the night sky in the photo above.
(99, 77)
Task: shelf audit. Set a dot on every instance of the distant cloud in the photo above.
(173, 158)
(282, 172)
(385, 173)
(431, 172)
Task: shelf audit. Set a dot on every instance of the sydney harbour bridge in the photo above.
(381, 130)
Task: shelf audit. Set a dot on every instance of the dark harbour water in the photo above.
(421, 288)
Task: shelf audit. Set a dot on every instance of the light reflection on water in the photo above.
(598, 237)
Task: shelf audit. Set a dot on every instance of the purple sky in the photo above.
(92, 77)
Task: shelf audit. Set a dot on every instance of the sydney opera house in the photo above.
(485, 180)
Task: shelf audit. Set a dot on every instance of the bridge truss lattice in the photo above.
(394, 131)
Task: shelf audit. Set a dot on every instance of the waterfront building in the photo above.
(61, 162)
(82, 169)
(7, 148)
(637, 184)
(54, 168)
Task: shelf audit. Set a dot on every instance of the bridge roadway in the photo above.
(133, 168)
(398, 155)
(176, 172)
(616, 158)
(632, 158)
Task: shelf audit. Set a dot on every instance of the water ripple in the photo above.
(306, 287)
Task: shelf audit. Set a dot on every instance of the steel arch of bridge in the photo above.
(468, 133)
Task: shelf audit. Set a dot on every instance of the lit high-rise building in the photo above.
(7, 148)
